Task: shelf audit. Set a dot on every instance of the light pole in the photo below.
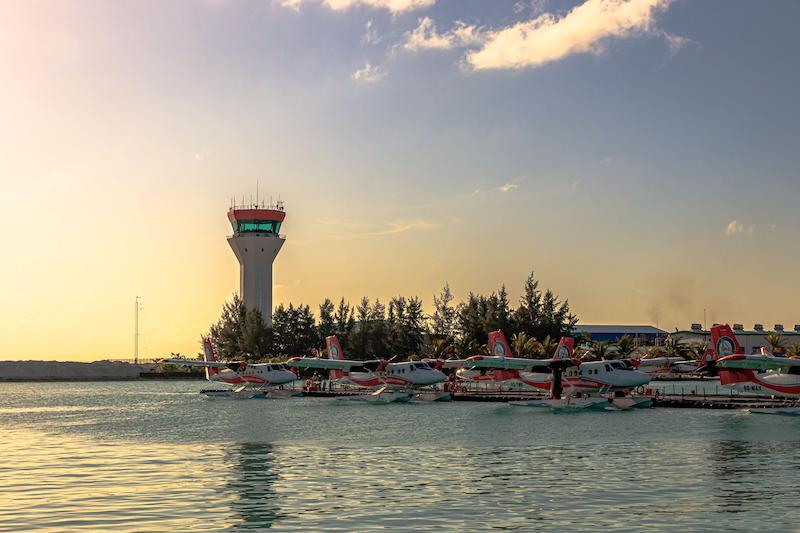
(136, 308)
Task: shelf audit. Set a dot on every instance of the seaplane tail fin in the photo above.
(498, 345)
(209, 354)
(564, 349)
(724, 342)
(335, 352)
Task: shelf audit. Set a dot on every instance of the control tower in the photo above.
(256, 241)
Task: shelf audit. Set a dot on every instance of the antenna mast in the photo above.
(136, 307)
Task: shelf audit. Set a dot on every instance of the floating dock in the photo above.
(684, 401)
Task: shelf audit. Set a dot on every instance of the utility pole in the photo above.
(137, 306)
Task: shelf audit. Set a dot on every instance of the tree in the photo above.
(294, 332)
(443, 320)
(548, 346)
(441, 349)
(599, 350)
(775, 342)
(327, 324)
(378, 345)
(344, 322)
(539, 315)
(362, 337)
(524, 346)
(698, 351)
(673, 347)
(793, 350)
(239, 333)
(625, 345)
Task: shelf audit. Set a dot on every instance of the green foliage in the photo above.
(625, 346)
(400, 329)
(793, 350)
(698, 351)
(775, 342)
(524, 346)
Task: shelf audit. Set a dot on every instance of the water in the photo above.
(154, 456)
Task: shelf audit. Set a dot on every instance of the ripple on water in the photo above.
(154, 458)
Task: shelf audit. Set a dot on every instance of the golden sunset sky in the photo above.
(641, 156)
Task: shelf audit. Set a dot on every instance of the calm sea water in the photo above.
(156, 457)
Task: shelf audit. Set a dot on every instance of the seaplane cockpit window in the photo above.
(608, 368)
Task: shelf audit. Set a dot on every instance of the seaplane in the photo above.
(564, 373)
(389, 381)
(762, 373)
(250, 380)
(665, 366)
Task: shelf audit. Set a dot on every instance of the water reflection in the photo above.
(251, 481)
(743, 467)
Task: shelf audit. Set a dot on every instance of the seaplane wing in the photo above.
(503, 363)
(197, 362)
(757, 362)
(324, 364)
(445, 363)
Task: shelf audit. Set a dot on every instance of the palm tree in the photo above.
(441, 349)
(625, 346)
(698, 351)
(600, 349)
(524, 346)
(548, 346)
(793, 350)
(652, 352)
(672, 347)
(775, 342)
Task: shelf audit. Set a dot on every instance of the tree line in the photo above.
(399, 328)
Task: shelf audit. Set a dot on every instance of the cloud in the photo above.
(507, 187)
(549, 38)
(675, 43)
(349, 230)
(393, 6)
(426, 37)
(369, 74)
(734, 228)
(370, 34)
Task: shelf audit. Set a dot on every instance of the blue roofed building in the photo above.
(612, 333)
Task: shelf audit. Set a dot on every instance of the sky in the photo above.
(640, 156)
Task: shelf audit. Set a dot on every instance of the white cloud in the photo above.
(369, 74)
(289, 4)
(370, 34)
(675, 43)
(350, 230)
(393, 6)
(735, 228)
(426, 37)
(550, 38)
(507, 187)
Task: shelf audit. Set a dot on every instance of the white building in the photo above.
(751, 340)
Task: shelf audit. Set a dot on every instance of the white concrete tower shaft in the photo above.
(256, 241)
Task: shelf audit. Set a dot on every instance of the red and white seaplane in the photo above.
(762, 373)
(392, 382)
(563, 373)
(250, 380)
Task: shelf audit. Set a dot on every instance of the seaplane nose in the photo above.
(438, 376)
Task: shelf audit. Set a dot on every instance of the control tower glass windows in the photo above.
(257, 226)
